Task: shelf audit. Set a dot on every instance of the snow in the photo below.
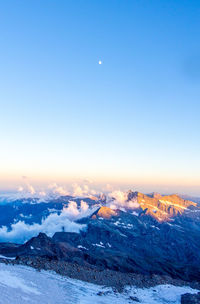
(8, 279)
(21, 284)
(123, 225)
(7, 258)
(167, 294)
(194, 211)
(82, 247)
(123, 235)
(99, 245)
(172, 204)
(155, 227)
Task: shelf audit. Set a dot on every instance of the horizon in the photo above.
(87, 188)
(103, 91)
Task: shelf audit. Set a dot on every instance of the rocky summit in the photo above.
(160, 207)
(190, 298)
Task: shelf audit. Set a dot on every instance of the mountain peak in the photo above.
(104, 212)
(163, 207)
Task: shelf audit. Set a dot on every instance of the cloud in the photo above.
(119, 200)
(119, 196)
(84, 206)
(31, 189)
(82, 191)
(42, 194)
(58, 189)
(20, 232)
(108, 187)
(20, 189)
(87, 181)
(26, 190)
(54, 190)
(73, 212)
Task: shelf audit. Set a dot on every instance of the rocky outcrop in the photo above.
(104, 212)
(189, 298)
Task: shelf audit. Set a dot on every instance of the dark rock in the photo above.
(189, 298)
(100, 293)
(135, 299)
(103, 293)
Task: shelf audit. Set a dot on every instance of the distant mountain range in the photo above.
(33, 210)
(147, 234)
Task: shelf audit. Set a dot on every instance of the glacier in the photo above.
(22, 284)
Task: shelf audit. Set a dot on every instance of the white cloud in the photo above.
(84, 206)
(26, 190)
(21, 232)
(82, 191)
(73, 212)
(119, 196)
(59, 190)
(31, 189)
(42, 194)
(55, 190)
(119, 201)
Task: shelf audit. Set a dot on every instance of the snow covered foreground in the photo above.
(20, 284)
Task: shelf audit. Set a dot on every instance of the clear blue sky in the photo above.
(134, 118)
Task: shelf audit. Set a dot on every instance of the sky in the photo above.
(131, 121)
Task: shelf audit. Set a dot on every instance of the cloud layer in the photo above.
(21, 232)
(54, 190)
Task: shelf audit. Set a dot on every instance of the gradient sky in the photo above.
(133, 119)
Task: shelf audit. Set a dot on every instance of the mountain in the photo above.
(195, 199)
(33, 210)
(147, 234)
(165, 242)
(161, 207)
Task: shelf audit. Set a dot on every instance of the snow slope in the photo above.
(20, 284)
